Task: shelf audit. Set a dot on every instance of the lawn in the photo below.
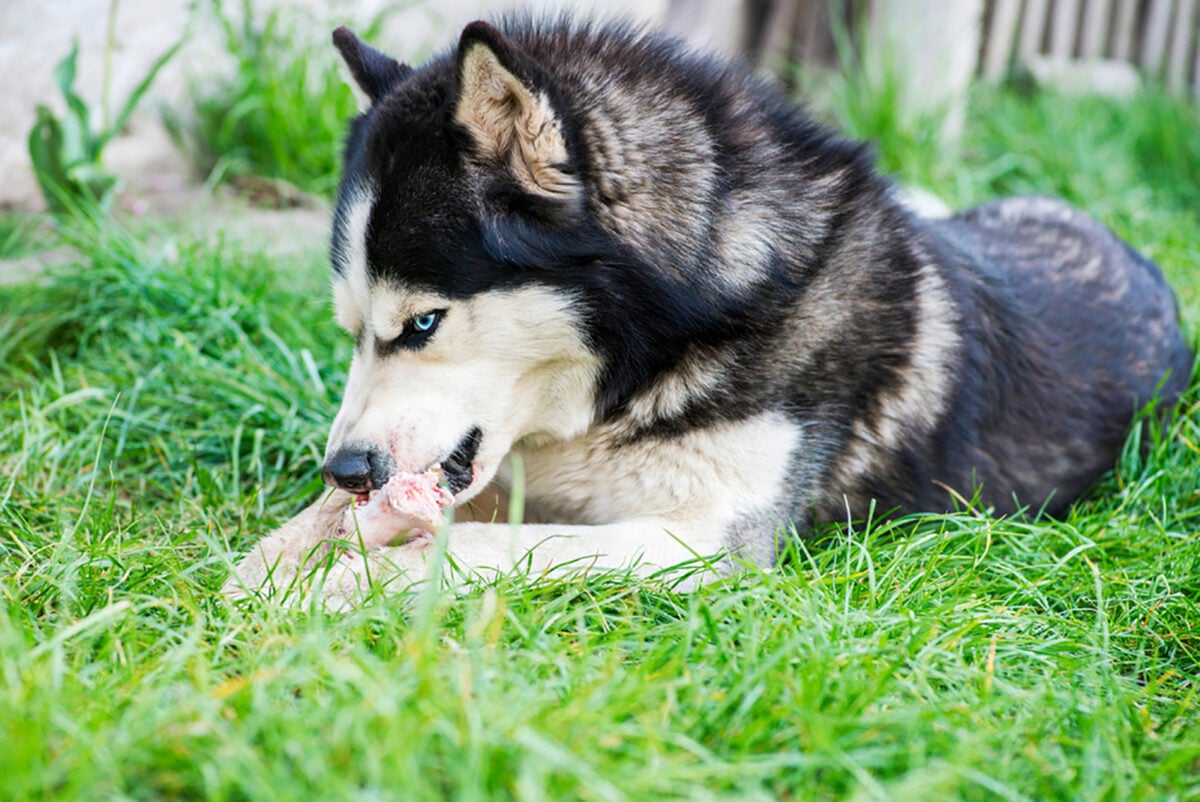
(164, 402)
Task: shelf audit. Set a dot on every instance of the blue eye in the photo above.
(417, 331)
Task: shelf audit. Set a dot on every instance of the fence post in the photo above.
(1005, 15)
(933, 46)
(1182, 34)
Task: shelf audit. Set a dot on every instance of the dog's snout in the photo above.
(349, 470)
(358, 469)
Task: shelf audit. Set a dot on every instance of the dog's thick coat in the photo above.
(698, 317)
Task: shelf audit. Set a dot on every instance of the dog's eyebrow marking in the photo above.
(351, 284)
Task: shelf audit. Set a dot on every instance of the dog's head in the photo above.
(458, 218)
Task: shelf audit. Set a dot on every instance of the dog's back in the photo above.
(1070, 332)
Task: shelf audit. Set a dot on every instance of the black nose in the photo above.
(358, 468)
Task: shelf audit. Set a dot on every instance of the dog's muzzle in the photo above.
(360, 467)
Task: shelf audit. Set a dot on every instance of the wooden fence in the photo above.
(1160, 37)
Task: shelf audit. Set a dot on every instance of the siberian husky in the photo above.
(701, 321)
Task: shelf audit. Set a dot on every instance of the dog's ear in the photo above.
(509, 117)
(375, 73)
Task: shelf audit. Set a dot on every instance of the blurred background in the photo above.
(197, 117)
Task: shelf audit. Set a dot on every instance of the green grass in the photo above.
(165, 403)
(21, 234)
(278, 112)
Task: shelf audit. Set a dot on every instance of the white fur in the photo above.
(713, 473)
(510, 362)
(746, 241)
(352, 285)
(922, 203)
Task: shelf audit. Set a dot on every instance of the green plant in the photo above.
(20, 234)
(67, 152)
(279, 114)
(868, 96)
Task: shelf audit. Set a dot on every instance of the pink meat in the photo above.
(408, 502)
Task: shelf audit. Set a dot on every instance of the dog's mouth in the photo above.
(454, 473)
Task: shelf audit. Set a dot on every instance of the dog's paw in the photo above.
(334, 581)
(279, 567)
(358, 573)
(266, 575)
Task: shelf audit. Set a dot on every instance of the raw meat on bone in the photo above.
(409, 503)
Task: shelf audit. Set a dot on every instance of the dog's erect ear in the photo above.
(375, 73)
(510, 118)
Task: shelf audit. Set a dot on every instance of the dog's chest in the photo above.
(714, 473)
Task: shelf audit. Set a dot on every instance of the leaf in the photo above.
(136, 95)
(45, 143)
(45, 152)
(64, 72)
(76, 139)
(77, 127)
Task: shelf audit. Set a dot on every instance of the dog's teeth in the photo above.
(442, 479)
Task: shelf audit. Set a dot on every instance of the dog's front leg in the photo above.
(276, 565)
(478, 550)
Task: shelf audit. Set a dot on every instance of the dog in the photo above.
(699, 322)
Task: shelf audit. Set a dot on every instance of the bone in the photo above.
(408, 505)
